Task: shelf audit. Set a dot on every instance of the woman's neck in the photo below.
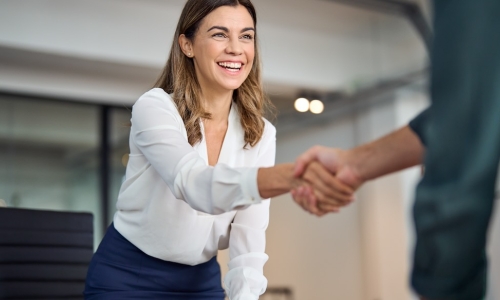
(218, 105)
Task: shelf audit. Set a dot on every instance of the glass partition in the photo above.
(50, 155)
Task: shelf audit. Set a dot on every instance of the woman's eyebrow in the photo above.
(248, 29)
(219, 27)
(225, 29)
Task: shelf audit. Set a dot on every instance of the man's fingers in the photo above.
(303, 160)
(327, 188)
(330, 180)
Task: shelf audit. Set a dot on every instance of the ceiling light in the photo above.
(301, 104)
(316, 107)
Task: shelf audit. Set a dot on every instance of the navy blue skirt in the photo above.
(121, 271)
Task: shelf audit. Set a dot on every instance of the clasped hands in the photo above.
(327, 180)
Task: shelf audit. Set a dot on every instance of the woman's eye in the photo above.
(220, 35)
(247, 37)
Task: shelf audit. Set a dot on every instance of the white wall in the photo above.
(318, 257)
(383, 223)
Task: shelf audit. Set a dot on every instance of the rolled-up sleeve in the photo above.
(245, 279)
(158, 132)
(419, 124)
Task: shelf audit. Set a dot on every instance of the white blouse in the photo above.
(175, 207)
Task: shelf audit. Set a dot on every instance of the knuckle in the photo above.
(316, 148)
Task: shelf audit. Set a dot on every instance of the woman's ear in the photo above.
(186, 45)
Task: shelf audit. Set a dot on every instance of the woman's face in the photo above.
(223, 49)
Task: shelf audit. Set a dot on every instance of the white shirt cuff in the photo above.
(245, 279)
(249, 185)
(244, 283)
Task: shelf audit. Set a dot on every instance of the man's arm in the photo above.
(279, 179)
(394, 152)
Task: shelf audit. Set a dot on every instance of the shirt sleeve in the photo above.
(245, 279)
(159, 133)
(420, 123)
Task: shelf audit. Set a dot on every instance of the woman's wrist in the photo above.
(277, 180)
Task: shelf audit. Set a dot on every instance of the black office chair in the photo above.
(44, 254)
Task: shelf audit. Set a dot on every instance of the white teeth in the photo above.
(230, 65)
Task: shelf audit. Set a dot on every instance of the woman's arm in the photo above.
(157, 131)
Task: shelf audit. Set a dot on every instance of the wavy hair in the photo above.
(178, 78)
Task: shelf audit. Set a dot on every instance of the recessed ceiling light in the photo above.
(301, 104)
(316, 107)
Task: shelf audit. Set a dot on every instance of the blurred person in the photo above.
(457, 139)
(201, 165)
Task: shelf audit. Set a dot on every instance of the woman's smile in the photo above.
(231, 67)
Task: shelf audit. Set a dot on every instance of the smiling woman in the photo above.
(200, 169)
(217, 53)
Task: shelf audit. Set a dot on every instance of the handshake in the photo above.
(322, 180)
(326, 180)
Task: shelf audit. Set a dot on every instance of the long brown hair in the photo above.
(178, 78)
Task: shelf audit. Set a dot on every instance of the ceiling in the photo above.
(112, 51)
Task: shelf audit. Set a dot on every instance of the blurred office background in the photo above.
(71, 70)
